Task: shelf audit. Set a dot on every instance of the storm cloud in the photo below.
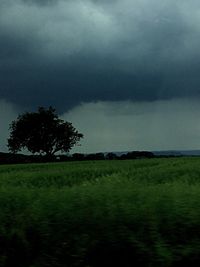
(126, 126)
(8, 112)
(95, 59)
(63, 53)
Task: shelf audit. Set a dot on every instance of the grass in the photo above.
(101, 213)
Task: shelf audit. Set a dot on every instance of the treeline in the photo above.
(113, 156)
(10, 158)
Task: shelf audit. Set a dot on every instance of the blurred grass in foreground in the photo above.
(101, 213)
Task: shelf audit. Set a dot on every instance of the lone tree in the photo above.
(42, 132)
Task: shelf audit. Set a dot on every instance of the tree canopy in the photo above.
(42, 132)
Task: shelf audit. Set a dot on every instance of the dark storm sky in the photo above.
(103, 64)
(62, 53)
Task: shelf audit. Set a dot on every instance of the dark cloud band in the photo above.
(62, 53)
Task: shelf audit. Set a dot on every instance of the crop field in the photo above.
(142, 212)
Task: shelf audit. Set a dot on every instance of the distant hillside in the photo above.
(174, 153)
(8, 158)
(177, 153)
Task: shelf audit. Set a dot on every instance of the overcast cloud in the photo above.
(8, 112)
(125, 126)
(64, 53)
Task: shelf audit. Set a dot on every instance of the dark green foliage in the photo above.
(78, 156)
(42, 132)
(111, 156)
(137, 154)
(96, 156)
(105, 213)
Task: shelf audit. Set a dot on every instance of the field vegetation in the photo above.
(101, 213)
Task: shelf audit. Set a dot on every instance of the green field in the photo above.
(101, 213)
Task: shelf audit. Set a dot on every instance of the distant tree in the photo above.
(111, 156)
(96, 156)
(42, 132)
(78, 156)
(137, 155)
